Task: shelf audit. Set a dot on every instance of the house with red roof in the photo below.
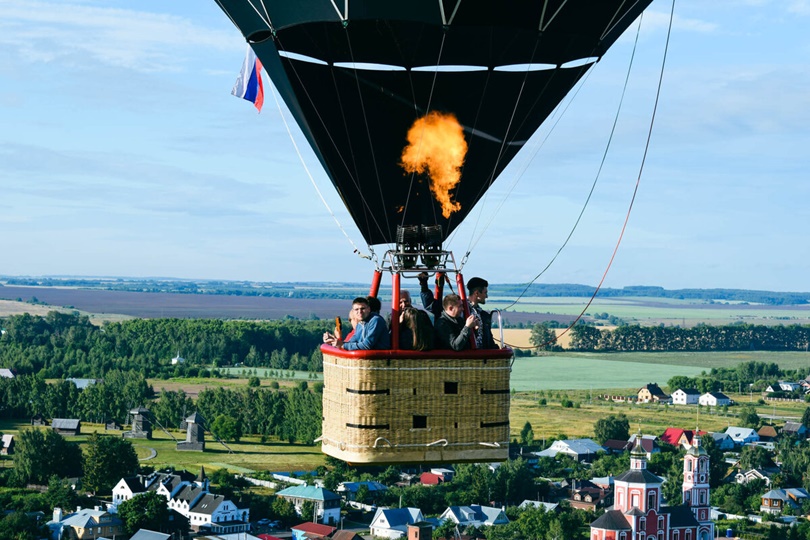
(430, 479)
(680, 437)
(308, 530)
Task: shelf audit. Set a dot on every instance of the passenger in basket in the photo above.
(371, 332)
(415, 330)
(354, 320)
(453, 332)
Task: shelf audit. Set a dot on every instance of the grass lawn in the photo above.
(552, 420)
(247, 455)
(576, 371)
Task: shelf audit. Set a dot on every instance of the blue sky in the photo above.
(122, 153)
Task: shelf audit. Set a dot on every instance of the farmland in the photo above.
(103, 304)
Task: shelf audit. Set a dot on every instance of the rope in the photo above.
(596, 177)
(312, 179)
(638, 182)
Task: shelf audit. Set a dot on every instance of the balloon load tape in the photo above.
(417, 243)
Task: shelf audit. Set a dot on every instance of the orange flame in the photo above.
(436, 144)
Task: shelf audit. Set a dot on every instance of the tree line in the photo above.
(735, 337)
(293, 415)
(69, 345)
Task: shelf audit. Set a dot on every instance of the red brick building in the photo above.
(637, 513)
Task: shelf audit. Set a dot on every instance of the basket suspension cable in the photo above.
(365, 118)
(521, 172)
(598, 172)
(312, 179)
(351, 176)
(638, 180)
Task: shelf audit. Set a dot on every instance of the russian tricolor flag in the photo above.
(249, 84)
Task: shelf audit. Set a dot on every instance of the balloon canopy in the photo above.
(358, 74)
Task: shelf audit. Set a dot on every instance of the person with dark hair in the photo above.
(415, 330)
(477, 293)
(453, 332)
(370, 333)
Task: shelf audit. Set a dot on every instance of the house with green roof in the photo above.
(327, 503)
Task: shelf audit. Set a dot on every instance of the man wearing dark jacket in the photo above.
(453, 332)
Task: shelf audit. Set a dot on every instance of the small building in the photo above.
(722, 441)
(178, 359)
(743, 477)
(795, 429)
(685, 396)
(38, 420)
(141, 424)
(714, 399)
(742, 436)
(327, 504)
(85, 524)
(475, 515)
(586, 495)
(67, 426)
(678, 437)
(195, 434)
(767, 434)
(348, 490)
(309, 529)
(649, 443)
(777, 501)
(6, 373)
(783, 386)
(393, 522)
(547, 506)
(579, 449)
(146, 534)
(652, 393)
(81, 384)
(8, 445)
(430, 479)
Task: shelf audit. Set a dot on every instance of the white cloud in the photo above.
(74, 33)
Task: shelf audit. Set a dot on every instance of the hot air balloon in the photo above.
(414, 107)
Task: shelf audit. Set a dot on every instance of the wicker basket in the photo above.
(409, 407)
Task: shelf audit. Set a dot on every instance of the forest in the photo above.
(68, 345)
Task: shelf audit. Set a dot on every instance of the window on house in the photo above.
(419, 422)
(450, 387)
(651, 500)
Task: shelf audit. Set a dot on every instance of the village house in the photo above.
(637, 512)
(579, 449)
(475, 515)
(393, 522)
(795, 429)
(67, 426)
(652, 393)
(777, 501)
(649, 443)
(722, 441)
(714, 399)
(309, 530)
(6, 373)
(84, 524)
(685, 396)
(678, 437)
(327, 504)
(8, 445)
(743, 477)
(587, 495)
(767, 434)
(348, 490)
(189, 496)
(783, 386)
(742, 436)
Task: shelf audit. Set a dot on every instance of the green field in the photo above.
(668, 311)
(582, 371)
